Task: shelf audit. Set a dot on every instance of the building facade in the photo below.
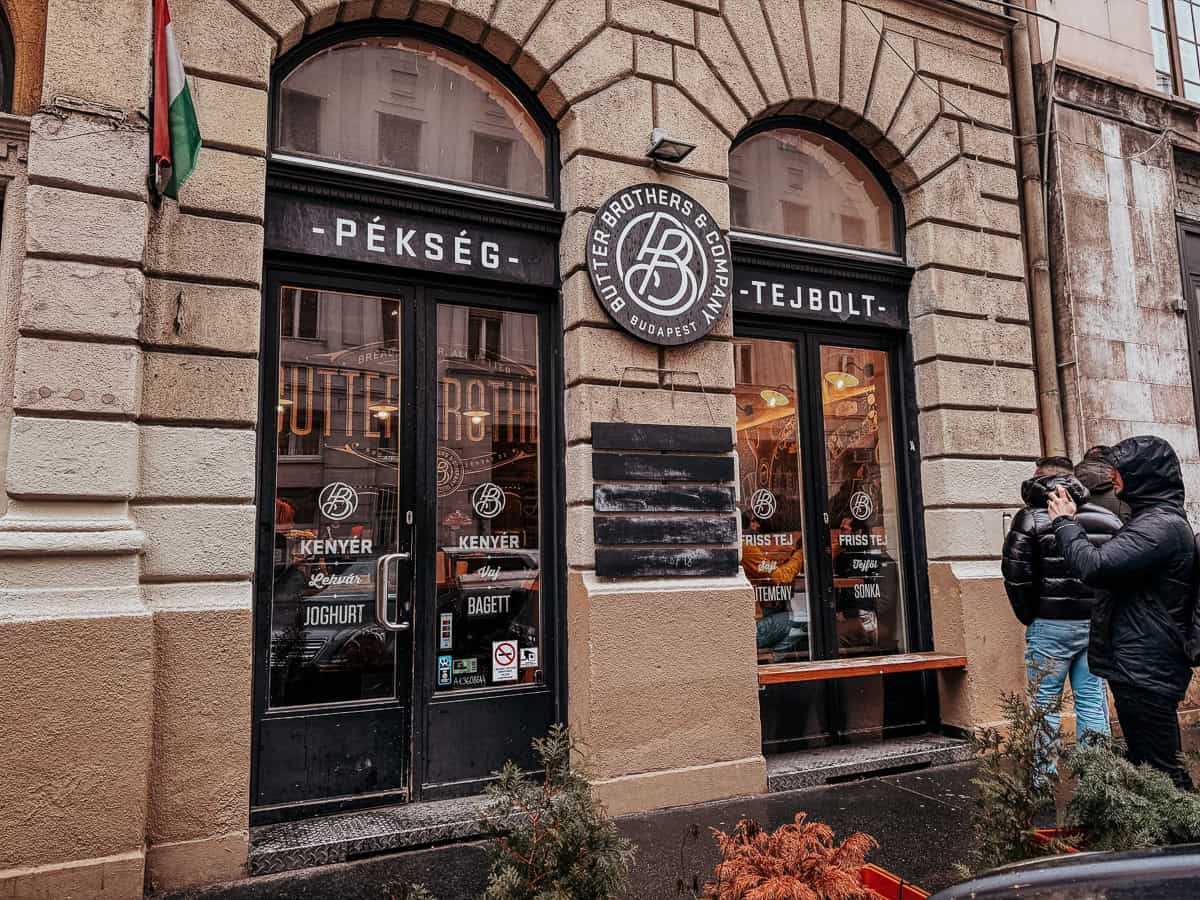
(438, 409)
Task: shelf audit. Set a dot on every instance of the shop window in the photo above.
(488, 555)
(772, 504)
(814, 189)
(864, 505)
(426, 100)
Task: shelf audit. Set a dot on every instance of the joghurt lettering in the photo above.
(659, 264)
(330, 614)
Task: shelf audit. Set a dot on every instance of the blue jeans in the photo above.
(1057, 648)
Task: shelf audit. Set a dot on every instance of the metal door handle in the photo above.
(381, 591)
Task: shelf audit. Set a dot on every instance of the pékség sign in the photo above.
(659, 264)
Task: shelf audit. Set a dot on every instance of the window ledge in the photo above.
(857, 667)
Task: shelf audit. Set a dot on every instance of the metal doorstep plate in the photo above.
(811, 768)
(334, 839)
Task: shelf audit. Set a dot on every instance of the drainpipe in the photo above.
(1037, 246)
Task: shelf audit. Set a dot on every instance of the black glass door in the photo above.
(335, 611)
(826, 516)
(406, 555)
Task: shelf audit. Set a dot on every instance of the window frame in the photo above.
(8, 62)
(376, 28)
(1176, 61)
(836, 135)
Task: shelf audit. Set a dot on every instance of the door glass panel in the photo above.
(772, 503)
(489, 621)
(337, 478)
(864, 509)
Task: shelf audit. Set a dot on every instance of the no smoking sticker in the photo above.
(504, 661)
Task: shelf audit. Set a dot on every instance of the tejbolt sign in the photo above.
(659, 264)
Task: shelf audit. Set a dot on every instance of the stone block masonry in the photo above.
(137, 334)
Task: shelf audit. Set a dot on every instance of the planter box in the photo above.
(892, 888)
(1066, 835)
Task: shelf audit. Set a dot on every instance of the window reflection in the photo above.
(799, 184)
(488, 555)
(864, 508)
(404, 104)
(336, 496)
(772, 504)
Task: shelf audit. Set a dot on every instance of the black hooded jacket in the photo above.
(1038, 580)
(1142, 576)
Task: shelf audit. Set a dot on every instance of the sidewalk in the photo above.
(921, 820)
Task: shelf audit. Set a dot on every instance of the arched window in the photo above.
(7, 63)
(404, 104)
(801, 184)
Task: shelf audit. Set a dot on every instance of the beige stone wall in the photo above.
(131, 453)
(1110, 37)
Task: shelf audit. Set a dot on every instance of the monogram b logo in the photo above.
(659, 264)
(488, 500)
(337, 501)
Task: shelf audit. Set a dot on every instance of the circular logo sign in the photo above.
(659, 264)
(488, 500)
(337, 501)
(861, 505)
(763, 504)
(450, 471)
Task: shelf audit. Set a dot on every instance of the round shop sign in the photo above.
(659, 264)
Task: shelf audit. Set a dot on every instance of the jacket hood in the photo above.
(1093, 474)
(1150, 470)
(1037, 490)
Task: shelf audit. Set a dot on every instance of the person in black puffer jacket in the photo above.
(1051, 602)
(1143, 580)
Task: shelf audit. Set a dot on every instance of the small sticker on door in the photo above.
(444, 663)
(446, 632)
(529, 657)
(504, 661)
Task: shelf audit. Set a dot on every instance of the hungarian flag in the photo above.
(176, 134)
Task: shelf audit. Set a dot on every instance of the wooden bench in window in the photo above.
(857, 667)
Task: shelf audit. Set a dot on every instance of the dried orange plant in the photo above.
(798, 861)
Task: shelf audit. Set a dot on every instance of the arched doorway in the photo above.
(826, 426)
(406, 619)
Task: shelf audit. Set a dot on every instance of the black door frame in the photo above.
(422, 293)
(1189, 233)
(806, 334)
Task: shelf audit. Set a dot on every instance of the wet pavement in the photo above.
(920, 819)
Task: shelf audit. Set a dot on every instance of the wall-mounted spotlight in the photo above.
(665, 148)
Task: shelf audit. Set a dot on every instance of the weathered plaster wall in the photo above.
(139, 447)
(1122, 336)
